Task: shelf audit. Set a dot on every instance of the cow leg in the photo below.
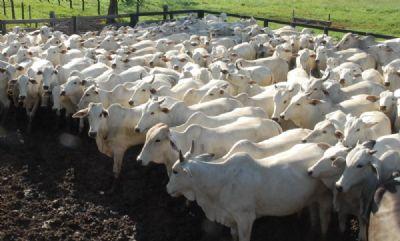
(362, 233)
(325, 209)
(342, 218)
(234, 234)
(4, 114)
(81, 125)
(117, 166)
(245, 226)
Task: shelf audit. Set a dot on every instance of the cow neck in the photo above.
(179, 140)
(103, 95)
(202, 173)
(182, 113)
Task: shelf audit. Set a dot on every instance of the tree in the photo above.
(112, 10)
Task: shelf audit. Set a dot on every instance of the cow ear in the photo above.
(81, 114)
(165, 110)
(181, 158)
(33, 81)
(372, 98)
(314, 102)
(339, 134)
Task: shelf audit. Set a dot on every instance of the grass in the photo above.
(365, 15)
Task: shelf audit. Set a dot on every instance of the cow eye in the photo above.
(211, 94)
(174, 172)
(87, 94)
(152, 113)
(358, 129)
(298, 104)
(143, 90)
(157, 140)
(359, 166)
(284, 102)
(324, 131)
(332, 158)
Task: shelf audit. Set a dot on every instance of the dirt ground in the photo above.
(52, 184)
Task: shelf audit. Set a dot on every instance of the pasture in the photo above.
(364, 15)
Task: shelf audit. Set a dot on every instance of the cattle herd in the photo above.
(248, 121)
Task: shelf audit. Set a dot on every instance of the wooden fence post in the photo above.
(22, 10)
(52, 16)
(293, 24)
(165, 10)
(326, 31)
(116, 9)
(200, 14)
(59, 2)
(134, 19)
(98, 7)
(83, 5)
(70, 4)
(266, 22)
(4, 8)
(74, 24)
(3, 28)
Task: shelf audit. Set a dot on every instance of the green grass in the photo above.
(365, 15)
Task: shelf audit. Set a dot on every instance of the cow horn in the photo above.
(237, 65)
(191, 151)
(154, 77)
(181, 158)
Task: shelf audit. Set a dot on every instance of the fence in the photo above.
(77, 24)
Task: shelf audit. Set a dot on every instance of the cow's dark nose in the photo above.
(21, 98)
(339, 188)
(382, 108)
(151, 64)
(387, 83)
(92, 134)
(131, 102)
(282, 117)
(62, 93)
(137, 130)
(304, 141)
(317, 61)
(342, 81)
(45, 87)
(310, 172)
(113, 66)
(275, 119)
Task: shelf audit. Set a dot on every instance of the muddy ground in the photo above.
(52, 184)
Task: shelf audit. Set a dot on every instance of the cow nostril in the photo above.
(304, 141)
(275, 119)
(45, 87)
(282, 117)
(387, 83)
(62, 93)
(139, 161)
(310, 172)
(339, 188)
(137, 130)
(92, 134)
(131, 102)
(113, 66)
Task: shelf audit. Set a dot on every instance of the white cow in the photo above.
(251, 196)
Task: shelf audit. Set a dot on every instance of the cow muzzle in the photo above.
(387, 83)
(339, 188)
(382, 108)
(137, 130)
(62, 93)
